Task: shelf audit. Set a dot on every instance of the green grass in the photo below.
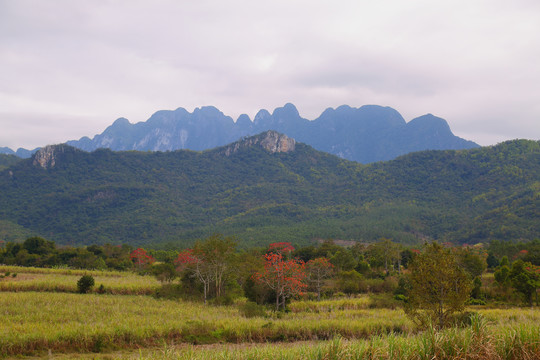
(32, 323)
(481, 341)
(65, 280)
(471, 343)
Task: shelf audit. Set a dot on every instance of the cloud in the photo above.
(473, 63)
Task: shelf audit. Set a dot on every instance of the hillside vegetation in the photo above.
(467, 196)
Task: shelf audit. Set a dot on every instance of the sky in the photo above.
(70, 68)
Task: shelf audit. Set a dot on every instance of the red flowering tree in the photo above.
(318, 270)
(184, 260)
(141, 259)
(284, 276)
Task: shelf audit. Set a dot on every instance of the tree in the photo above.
(141, 259)
(343, 260)
(385, 253)
(472, 263)
(85, 284)
(318, 270)
(39, 246)
(164, 272)
(502, 276)
(525, 278)
(284, 276)
(209, 262)
(215, 255)
(438, 287)
(349, 282)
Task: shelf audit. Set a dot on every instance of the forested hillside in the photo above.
(261, 196)
(8, 160)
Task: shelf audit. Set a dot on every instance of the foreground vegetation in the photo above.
(65, 280)
(103, 323)
(477, 342)
(378, 301)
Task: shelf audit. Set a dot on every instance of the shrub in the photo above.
(170, 291)
(251, 309)
(473, 301)
(85, 284)
(382, 301)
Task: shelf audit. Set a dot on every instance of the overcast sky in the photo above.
(70, 68)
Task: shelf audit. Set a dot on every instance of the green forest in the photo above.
(170, 199)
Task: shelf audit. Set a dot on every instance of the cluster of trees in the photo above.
(214, 269)
(38, 252)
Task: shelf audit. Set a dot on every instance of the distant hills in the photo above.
(367, 134)
(270, 188)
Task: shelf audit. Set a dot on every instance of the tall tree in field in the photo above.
(209, 262)
(439, 287)
(217, 255)
(284, 276)
(318, 270)
(188, 262)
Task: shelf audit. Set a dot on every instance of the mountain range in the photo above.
(367, 134)
(268, 188)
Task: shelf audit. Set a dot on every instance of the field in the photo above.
(65, 280)
(67, 325)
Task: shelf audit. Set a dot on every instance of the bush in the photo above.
(85, 284)
(473, 301)
(171, 292)
(382, 301)
(251, 309)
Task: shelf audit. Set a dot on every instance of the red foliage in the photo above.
(281, 248)
(283, 276)
(140, 258)
(184, 259)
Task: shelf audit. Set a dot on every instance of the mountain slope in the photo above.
(267, 188)
(366, 134)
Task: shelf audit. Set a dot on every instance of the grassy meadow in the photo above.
(65, 280)
(41, 315)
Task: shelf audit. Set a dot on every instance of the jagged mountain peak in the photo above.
(366, 134)
(121, 122)
(261, 116)
(287, 111)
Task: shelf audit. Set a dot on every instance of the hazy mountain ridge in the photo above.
(367, 134)
(260, 195)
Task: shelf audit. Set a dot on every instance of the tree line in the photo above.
(215, 270)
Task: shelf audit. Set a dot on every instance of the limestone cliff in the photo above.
(47, 157)
(271, 141)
